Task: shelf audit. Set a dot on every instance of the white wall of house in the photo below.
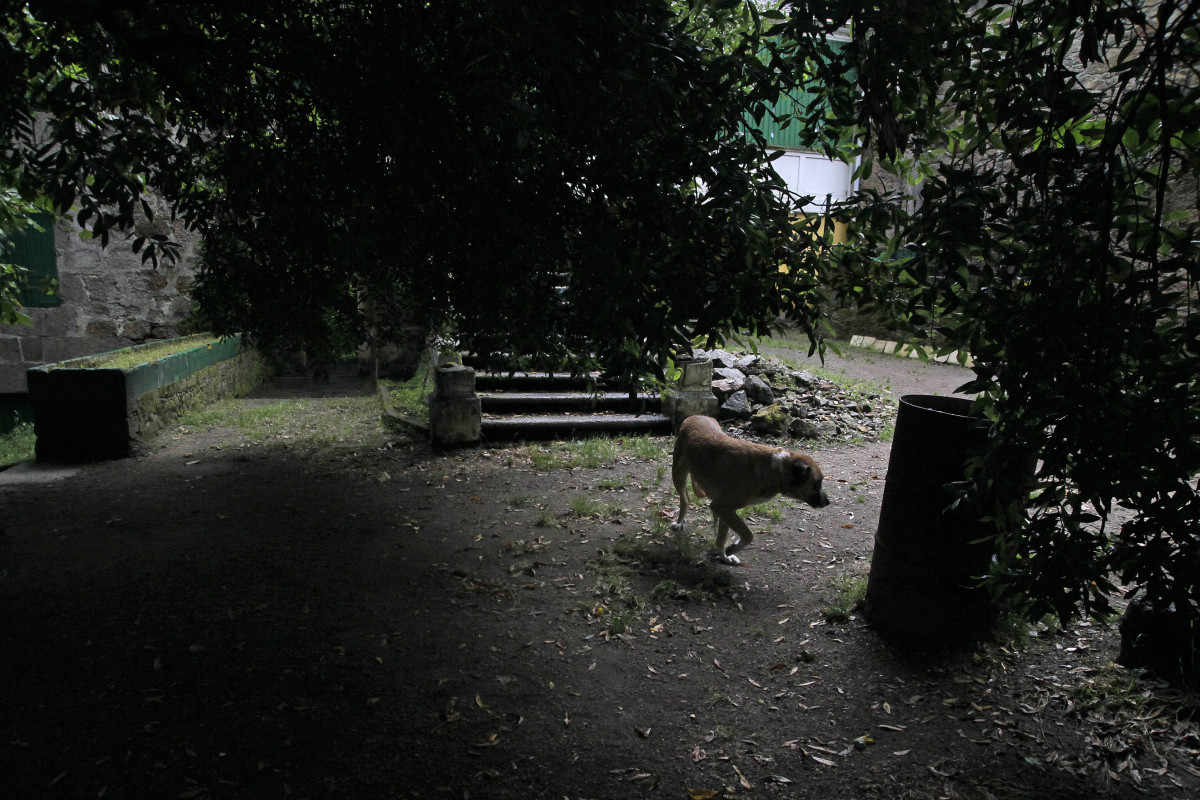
(813, 174)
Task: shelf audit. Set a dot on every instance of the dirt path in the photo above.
(222, 618)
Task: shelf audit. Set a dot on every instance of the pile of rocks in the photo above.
(770, 399)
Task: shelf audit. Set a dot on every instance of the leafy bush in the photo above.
(1057, 154)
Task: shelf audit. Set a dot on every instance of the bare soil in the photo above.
(219, 618)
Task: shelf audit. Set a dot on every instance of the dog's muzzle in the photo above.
(818, 499)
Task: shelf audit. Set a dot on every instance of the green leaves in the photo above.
(1056, 241)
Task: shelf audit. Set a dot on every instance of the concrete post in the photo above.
(692, 393)
(455, 417)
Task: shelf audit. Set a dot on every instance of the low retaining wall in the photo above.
(84, 413)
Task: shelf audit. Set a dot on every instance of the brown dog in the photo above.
(734, 474)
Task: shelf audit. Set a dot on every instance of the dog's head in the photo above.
(806, 480)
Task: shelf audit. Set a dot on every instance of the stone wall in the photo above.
(109, 300)
(233, 377)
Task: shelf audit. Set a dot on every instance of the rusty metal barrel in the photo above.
(923, 591)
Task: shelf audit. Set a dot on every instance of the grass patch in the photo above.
(131, 357)
(850, 590)
(583, 506)
(596, 452)
(616, 603)
(408, 397)
(768, 511)
(17, 445)
(305, 422)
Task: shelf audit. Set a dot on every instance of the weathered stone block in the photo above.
(454, 380)
(12, 379)
(692, 393)
(10, 349)
(696, 374)
(455, 412)
(33, 350)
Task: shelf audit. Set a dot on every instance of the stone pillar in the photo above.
(692, 394)
(455, 418)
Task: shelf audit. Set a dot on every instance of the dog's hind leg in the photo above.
(727, 519)
(679, 476)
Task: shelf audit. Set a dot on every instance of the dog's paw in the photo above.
(732, 560)
(676, 526)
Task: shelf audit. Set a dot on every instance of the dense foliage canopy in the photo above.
(1057, 240)
(549, 178)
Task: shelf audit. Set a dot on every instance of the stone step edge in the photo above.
(547, 424)
(576, 401)
(957, 357)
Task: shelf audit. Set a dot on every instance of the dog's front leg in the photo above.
(727, 518)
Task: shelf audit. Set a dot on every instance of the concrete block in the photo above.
(455, 412)
(10, 349)
(33, 349)
(683, 404)
(696, 373)
(12, 379)
(453, 380)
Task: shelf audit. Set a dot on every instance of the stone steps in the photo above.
(571, 426)
(563, 402)
(558, 405)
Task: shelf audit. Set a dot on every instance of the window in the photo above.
(34, 250)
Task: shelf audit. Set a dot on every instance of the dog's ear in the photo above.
(801, 473)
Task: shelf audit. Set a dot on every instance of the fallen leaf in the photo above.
(741, 778)
(701, 794)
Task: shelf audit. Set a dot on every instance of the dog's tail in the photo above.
(696, 490)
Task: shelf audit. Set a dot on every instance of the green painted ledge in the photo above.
(84, 413)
